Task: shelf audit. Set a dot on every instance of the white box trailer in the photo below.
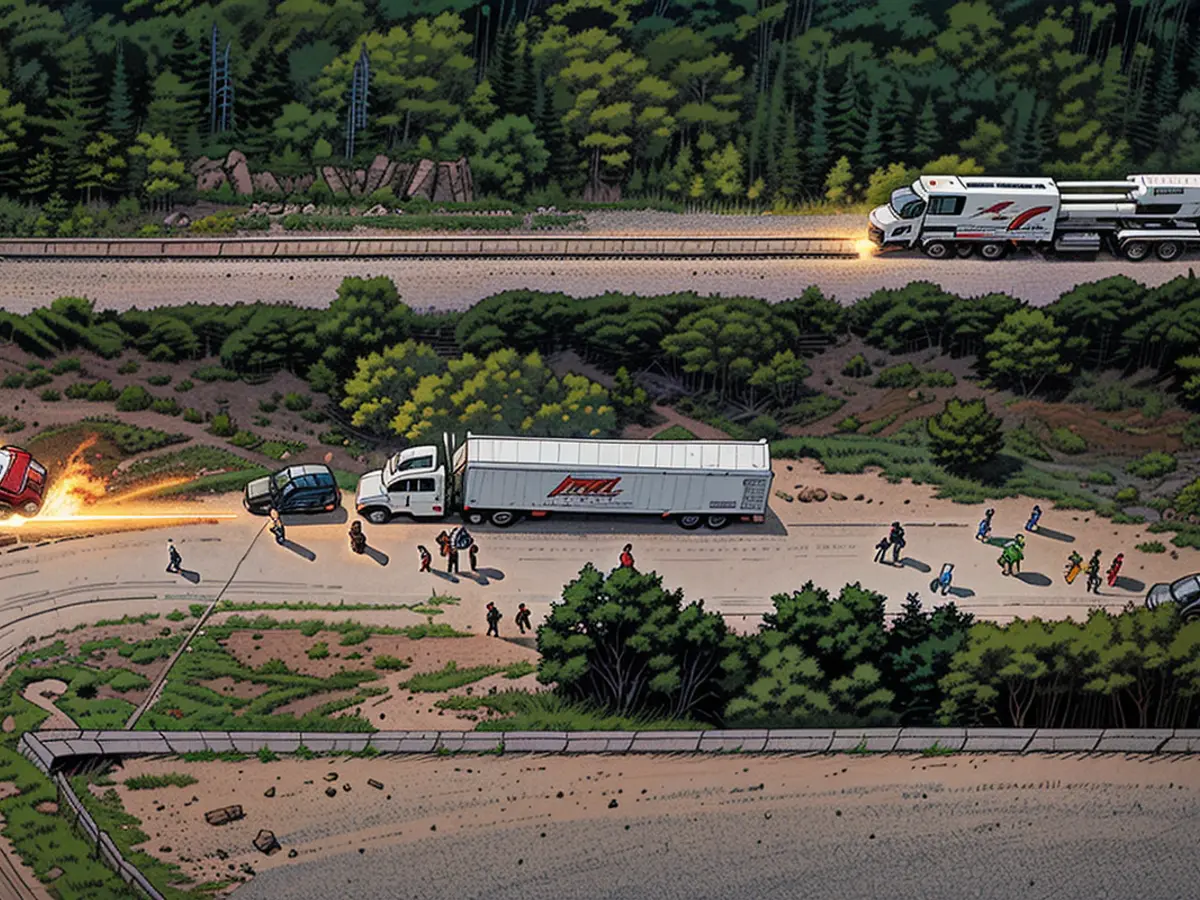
(950, 215)
(501, 479)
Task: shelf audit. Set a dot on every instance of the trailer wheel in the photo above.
(689, 522)
(1168, 251)
(993, 251)
(473, 518)
(964, 251)
(502, 518)
(716, 522)
(937, 250)
(1136, 251)
(377, 516)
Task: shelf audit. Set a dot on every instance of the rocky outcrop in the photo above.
(446, 181)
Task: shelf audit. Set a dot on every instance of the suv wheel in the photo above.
(377, 516)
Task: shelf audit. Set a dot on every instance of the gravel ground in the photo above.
(619, 221)
(458, 283)
(1092, 829)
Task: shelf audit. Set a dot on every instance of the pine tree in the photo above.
(1166, 91)
(817, 153)
(75, 111)
(504, 74)
(259, 99)
(871, 155)
(189, 59)
(928, 135)
(848, 119)
(525, 88)
(791, 173)
(119, 113)
(549, 127)
(757, 134)
(39, 175)
(893, 121)
(1037, 135)
(776, 126)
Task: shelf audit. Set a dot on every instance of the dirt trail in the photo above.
(37, 694)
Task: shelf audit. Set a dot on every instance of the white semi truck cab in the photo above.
(949, 215)
(412, 483)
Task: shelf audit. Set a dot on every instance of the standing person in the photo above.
(985, 526)
(881, 550)
(1093, 573)
(426, 558)
(896, 539)
(1074, 566)
(942, 582)
(276, 525)
(443, 541)
(1032, 524)
(473, 556)
(451, 559)
(493, 620)
(627, 557)
(1115, 569)
(1011, 556)
(358, 540)
(175, 561)
(523, 618)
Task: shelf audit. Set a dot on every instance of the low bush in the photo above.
(1066, 441)
(159, 380)
(37, 378)
(134, 399)
(193, 415)
(1099, 476)
(50, 395)
(152, 782)
(222, 426)
(129, 367)
(210, 374)
(319, 650)
(247, 440)
(297, 402)
(1151, 547)
(848, 425)
(856, 367)
(1154, 464)
(905, 375)
(13, 380)
(184, 386)
(66, 364)
(1126, 495)
(389, 663)
(168, 406)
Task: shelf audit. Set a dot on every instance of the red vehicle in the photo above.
(22, 482)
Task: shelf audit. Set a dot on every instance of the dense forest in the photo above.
(763, 102)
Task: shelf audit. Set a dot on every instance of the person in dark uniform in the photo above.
(523, 619)
(358, 540)
(1093, 573)
(881, 550)
(493, 620)
(276, 525)
(896, 539)
(426, 558)
(175, 561)
(451, 558)
(473, 555)
(627, 557)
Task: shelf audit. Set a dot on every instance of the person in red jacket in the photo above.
(1115, 569)
(426, 558)
(627, 557)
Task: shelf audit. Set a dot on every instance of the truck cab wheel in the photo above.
(473, 518)
(993, 251)
(1136, 251)
(1168, 251)
(937, 250)
(715, 522)
(377, 516)
(502, 518)
(689, 522)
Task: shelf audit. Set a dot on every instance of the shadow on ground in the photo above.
(378, 555)
(1055, 535)
(1129, 584)
(299, 549)
(909, 563)
(193, 577)
(1037, 579)
(961, 592)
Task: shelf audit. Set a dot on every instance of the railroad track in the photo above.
(496, 248)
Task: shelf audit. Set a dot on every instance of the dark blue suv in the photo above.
(296, 489)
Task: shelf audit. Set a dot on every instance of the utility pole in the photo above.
(356, 113)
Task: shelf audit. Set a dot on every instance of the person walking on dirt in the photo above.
(942, 582)
(473, 556)
(493, 620)
(1011, 556)
(358, 540)
(523, 618)
(426, 558)
(627, 557)
(1115, 569)
(174, 560)
(1093, 573)
(1074, 566)
(881, 550)
(896, 539)
(276, 525)
(985, 527)
(1032, 524)
(451, 559)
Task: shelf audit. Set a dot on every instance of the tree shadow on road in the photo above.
(299, 549)
(1129, 584)
(1055, 535)
(1037, 579)
(909, 563)
(193, 577)
(378, 555)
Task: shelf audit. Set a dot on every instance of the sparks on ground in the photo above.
(865, 248)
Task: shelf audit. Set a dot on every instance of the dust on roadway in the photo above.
(444, 284)
(1094, 828)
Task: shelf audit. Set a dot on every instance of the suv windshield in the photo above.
(905, 204)
(280, 480)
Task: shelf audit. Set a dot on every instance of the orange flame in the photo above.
(77, 494)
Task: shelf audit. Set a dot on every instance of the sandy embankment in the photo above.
(543, 809)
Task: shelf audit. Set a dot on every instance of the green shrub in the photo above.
(297, 402)
(1153, 407)
(50, 395)
(1126, 495)
(134, 398)
(102, 392)
(159, 380)
(266, 755)
(390, 663)
(15, 380)
(184, 386)
(191, 414)
(319, 650)
(222, 426)
(267, 406)
(938, 378)
(209, 374)
(1151, 547)
(176, 615)
(856, 367)
(37, 378)
(1066, 441)
(812, 409)
(1099, 476)
(124, 680)
(848, 425)
(247, 440)
(1154, 464)
(167, 406)
(763, 427)
(153, 782)
(905, 375)
(67, 364)
(129, 367)
(674, 433)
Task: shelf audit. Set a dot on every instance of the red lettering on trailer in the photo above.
(575, 487)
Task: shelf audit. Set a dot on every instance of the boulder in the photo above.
(422, 182)
(266, 842)
(820, 495)
(210, 181)
(275, 209)
(238, 171)
(308, 209)
(334, 179)
(265, 182)
(177, 220)
(203, 165)
(376, 174)
(290, 209)
(224, 815)
(377, 210)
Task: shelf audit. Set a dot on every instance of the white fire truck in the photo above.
(951, 215)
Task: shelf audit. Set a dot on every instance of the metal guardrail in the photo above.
(308, 247)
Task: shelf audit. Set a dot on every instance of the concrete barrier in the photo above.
(301, 246)
(1133, 740)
